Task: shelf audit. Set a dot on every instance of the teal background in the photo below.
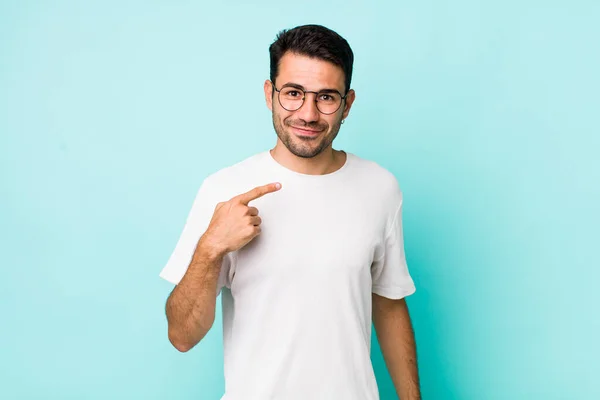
(112, 112)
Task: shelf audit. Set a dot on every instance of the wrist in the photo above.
(209, 250)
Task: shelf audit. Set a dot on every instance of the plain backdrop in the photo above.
(112, 113)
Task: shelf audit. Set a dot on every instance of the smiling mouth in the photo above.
(306, 132)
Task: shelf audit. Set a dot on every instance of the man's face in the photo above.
(306, 132)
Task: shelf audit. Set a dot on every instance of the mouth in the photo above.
(306, 132)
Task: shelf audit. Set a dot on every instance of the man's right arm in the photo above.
(191, 305)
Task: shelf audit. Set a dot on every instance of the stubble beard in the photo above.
(302, 147)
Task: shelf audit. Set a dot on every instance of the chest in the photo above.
(312, 240)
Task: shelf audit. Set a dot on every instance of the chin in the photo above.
(300, 148)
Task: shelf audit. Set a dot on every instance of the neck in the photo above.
(326, 162)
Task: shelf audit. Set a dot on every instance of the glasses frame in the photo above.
(304, 98)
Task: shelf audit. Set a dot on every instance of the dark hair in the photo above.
(314, 41)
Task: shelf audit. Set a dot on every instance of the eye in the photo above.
(293, 93)
(325, 97)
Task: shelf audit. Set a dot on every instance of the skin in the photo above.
(191, 305)
(307, 155)
(397, 342)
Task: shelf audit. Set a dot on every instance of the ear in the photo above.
(350, 97)
(268, 87)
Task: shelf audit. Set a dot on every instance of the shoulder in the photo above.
(225, 181)
(378, 188)
(378, 179)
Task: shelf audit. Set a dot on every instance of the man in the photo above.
(304, 243)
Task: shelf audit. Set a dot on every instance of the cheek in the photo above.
(332, 121)
(279, 116)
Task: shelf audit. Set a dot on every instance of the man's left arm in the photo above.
(397, 342)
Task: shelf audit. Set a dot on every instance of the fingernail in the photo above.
(278, 185)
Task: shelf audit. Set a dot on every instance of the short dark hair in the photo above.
(314, 41)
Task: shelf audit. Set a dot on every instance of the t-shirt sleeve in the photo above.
(197, 222)
(390, 275)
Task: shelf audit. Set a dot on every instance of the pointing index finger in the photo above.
(257, 192)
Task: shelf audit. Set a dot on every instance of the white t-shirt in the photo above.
(296, 300)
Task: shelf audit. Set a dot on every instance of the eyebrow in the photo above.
(297, 86)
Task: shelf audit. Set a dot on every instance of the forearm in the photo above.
(191, 306)
(397, 342)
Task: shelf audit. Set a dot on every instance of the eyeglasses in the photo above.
(292, 98)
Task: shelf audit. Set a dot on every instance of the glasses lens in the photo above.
(291, 98)
(328, 103)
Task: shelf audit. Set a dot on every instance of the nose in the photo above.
(309, 111)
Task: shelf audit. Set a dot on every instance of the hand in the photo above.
(234, 224)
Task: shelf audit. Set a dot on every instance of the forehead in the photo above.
(311, 73)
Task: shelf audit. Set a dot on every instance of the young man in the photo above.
(304, 243)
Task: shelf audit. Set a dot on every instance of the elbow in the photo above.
(185, 343)
(180, 344)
